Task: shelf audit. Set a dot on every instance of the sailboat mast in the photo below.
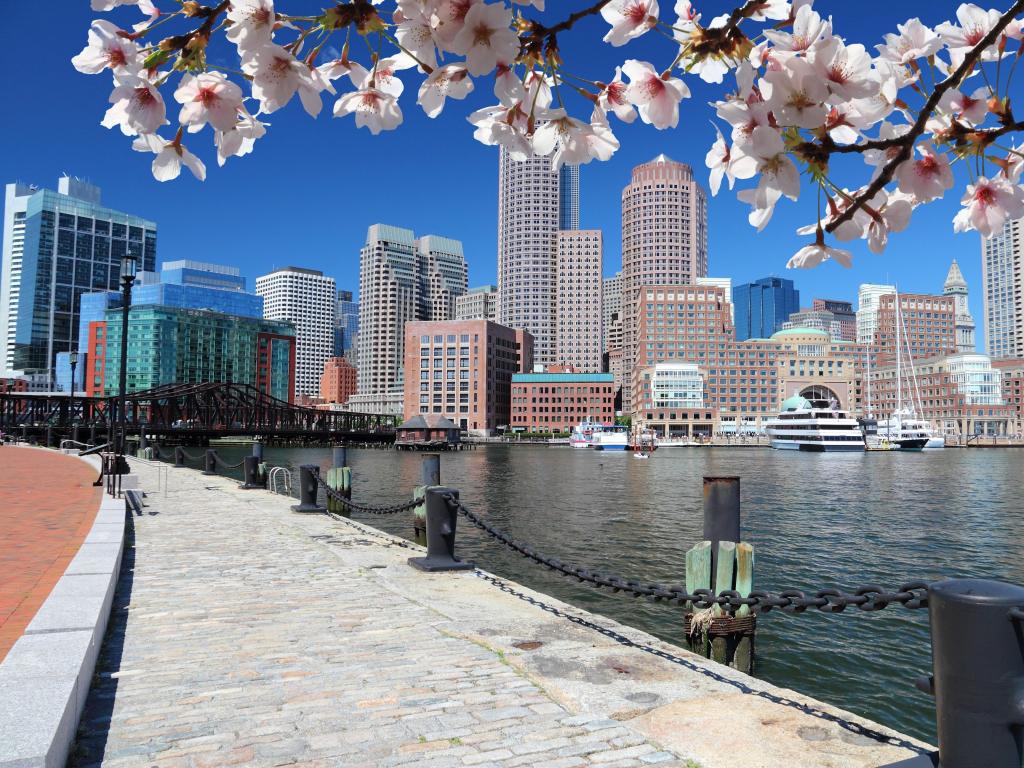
(899, 377)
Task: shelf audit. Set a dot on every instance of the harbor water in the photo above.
(815, 520)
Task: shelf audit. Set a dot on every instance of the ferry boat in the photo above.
(583, 434)
(610, 439)
(908, 433)
(814, 425)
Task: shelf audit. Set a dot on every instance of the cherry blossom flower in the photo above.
(277, 76)
(508, 88)
(240, 139)
(971, 108)
(796, 94)
(374, 109)
(612, 98)
(892, 215)
(208, 98)
(731, 163)
(107, 48)
(987, 204)
(382, 77)
(926, 178)
(170, 156)
(137, 107)
(778, 10)
(503, 126)
(109, 5)
(415, 33)
(846, 69)
(656, 97)
(448, 18)
(914, 41)
(252, 23)
(812, 255)
(779, 176)
(538, 4)
(449, 81)
(975, 23)
(338, 68)
(629, 19)
(808, 29)
(601, 142)
(486, 38)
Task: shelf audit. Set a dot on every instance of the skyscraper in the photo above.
(479, 303)
(956, 287)
(844, 315)
(611, 310)
(578, 321)
(346, 325)
(401, 279)
(1003, 299)
(534, 203)
(57, 246)
(868, 296)
(761, 307)
(664, 240)
(306, 297)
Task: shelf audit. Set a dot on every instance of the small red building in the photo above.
(557, 402)
(338, 381)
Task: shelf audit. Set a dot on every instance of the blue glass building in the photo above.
(569, 197)
(346, 325)
(761, 307)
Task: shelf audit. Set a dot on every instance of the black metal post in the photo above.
(143, 443)
(179, 456)
(71, 406)
(441, 520)
(339, 456)
(49, 436)
(257, 451)
(721, 515)
(308, 488)
(430, 469)
(978, 663)
(92, 434)
(210, 463)
(252, 473)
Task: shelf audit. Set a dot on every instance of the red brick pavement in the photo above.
(47, 506)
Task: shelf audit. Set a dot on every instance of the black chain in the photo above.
(867, 598)
(190, 457)
(224, 464)
(340, 498)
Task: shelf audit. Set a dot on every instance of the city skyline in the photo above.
(466, 207)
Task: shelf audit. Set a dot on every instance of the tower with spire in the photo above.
(956, 287)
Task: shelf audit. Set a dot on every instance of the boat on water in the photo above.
(583, 434)
(904, 430)
(814, 425)
(610, 438)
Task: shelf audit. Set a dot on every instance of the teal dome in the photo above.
(795, 403)
(799, 332)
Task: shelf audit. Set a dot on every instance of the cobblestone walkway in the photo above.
(47, 506)
(236, 640)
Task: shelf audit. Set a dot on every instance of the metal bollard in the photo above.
(978, 663)
(49, 436)
(252, 473)
(179, 457)
(430, 475)
(431, 469)
(721, 515)
(210, 462)
(76, 435)
(441, 520)
(339, 456)
(92, 434)
(308, 487)
(257, 451)
(143, 443)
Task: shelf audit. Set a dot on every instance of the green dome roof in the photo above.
(795, 403)
(800, 332)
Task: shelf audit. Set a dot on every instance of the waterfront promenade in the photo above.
(245, 634)
(47, 506)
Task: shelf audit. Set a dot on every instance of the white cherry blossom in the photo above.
(415, 33)
(629, 19)
(170, 156)
(808, 29)
(108, 47)
(613, 98)
(914, 41)
(448, 18)
(137, 107)
(893, 215)
(975, 23)
(656, 97)
(779, 176)
(538, 4)
(109, 5)
(729, 162)
(383, 77)
(337, 69)
(508, 88)
(208, 98)
(812, 255)
(373, 109)
(450, 81)
(252, 23)
(846, 69)
(240, 139)
(486, 38)
(927, 177)
(796, 94)
(601, 142)
(503, 126)
(987, 204)
(277, 76)
(971, 108)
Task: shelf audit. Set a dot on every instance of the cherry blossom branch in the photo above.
(907, 141)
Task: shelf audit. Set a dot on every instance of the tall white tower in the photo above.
(956, 287)
(1003, 302)
(308, 299)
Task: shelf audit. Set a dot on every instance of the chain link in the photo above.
(224, 464)
(867, 598)
(190, 457)
(338, 496)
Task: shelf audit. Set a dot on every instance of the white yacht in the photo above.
(814, 425)
(610, 439)
(908, 432)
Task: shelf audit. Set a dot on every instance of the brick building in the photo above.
(338, 381)
(462, 369)
(558, 401)
(843, 314)
(929, 326)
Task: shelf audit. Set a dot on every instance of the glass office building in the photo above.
(59, 245)
(761, 307)
(171, 345)
(346, 325)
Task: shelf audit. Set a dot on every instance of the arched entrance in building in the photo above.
(819, 392)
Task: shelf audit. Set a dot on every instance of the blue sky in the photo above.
(311, 188)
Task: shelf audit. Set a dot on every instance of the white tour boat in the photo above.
(610, 439)
(814, 425)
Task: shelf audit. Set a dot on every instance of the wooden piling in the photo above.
(743, 656)
(419, 515)
(728, 639)
(725, 561)
(698, 576)
(336, 481)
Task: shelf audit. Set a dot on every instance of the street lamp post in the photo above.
(129, 266)
(73, 357)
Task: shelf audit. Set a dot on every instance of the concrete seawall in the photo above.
(247, 634)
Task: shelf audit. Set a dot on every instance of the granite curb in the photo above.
(45, 678)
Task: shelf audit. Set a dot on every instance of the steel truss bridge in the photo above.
(193, 412)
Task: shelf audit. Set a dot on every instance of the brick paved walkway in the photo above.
(47, 506)
(244, 634)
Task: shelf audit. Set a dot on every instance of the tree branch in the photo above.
(906, 141)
